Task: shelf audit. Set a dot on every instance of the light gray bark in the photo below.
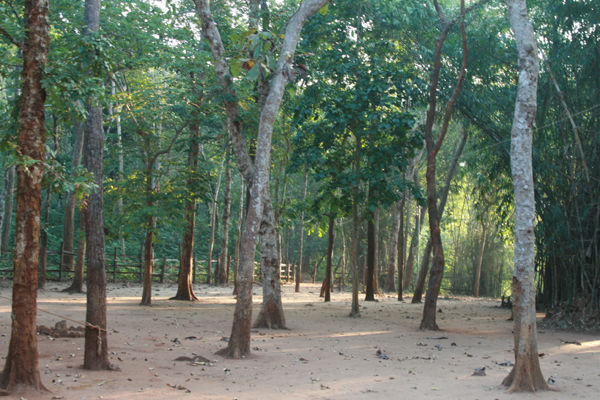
(526, 375)
(257, 174)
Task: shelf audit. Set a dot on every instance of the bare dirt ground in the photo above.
(324, 354)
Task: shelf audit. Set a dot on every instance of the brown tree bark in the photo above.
(271, 315)
(96, 345)
(9, 192)
(149, 240)
(401, 246)
(370, 288)
(256, 174)
(526, 374)
(418, 293)
(213, 223)
(437, 269)
(184, 281)
(238, 236)
(21, 367)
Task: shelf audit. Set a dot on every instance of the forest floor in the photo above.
(324, 354)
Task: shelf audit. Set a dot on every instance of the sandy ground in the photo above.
(324, 355)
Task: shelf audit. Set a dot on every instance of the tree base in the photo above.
(185, 297)
(73, 289)
(428, 325)
(232, 353)
(525, 378)
(270, 317)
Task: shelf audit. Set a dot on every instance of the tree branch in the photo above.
(10, 38)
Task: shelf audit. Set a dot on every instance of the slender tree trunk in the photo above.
(480, 258)
(271, 315)
(437, 269)
(393, 250)
(370, 292)
(69, 223)
(9, 191)
(376, 255)
(526, 375)
(121, 173)
(21, 367)
(149, 241)
(401, 246)
(184, 282)
(343, 255)
(221, 276)
(355, 311)
(238, 236)
(301, 245)
(78, 273)
(331, 237)
(213, 222)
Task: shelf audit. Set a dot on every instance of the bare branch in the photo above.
(10, 38)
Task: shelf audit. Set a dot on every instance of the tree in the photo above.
(96, 335)
(433, 147)
(256, 174)
(21, 367)
(526, 374)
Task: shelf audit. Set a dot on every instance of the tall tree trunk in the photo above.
(401, 246)
(78, 273)
(271, 315)
(69, 223)
(21, 367)
(354, 310)
(96, 346)
(390, 285)
(327, 284)
(213, 222)
(526, 375)
(221, 276)
(121, 172)
(301, 244)
(418, 294)
(149, 240)
(376, 255)
(480, 258)
(184, 282)
(370, 292)
(437, 269)
(9, 191)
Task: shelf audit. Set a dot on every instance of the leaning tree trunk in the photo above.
(184, 281)
(9, 191)
(271, 314)
(21, 367)
(526, 374)
(96, 346)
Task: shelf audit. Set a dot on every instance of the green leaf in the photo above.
(324, 9)
(253, 73)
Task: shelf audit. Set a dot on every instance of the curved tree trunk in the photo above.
(271, 314)
(184, 281)
(526, 375)
(21, 367)
(437, 269)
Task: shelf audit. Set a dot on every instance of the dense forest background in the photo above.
(361, 75)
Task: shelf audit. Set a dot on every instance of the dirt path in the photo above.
(324, 355)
